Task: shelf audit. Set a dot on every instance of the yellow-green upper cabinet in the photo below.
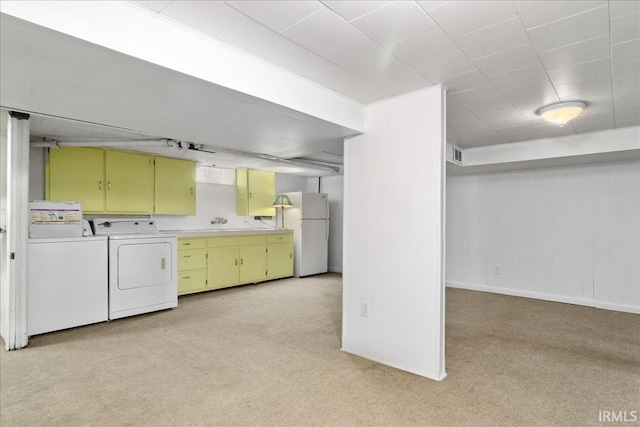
(78, 174)
(175, 182)
(129, 182)
(255, 192)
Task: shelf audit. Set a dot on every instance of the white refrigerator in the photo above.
(309, 220)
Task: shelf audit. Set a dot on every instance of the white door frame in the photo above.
(14, 222)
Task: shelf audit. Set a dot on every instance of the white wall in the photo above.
(569, 234)
(393, 237)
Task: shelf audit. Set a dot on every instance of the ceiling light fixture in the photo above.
(561, 112)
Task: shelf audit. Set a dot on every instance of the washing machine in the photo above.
(143, 271)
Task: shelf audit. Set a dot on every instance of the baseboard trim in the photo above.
(335, 270)
(547, 297)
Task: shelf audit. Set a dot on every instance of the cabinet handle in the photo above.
(186, 277)
(108, 185)
(186, 256)
(250, 195)
(241, 261)
(100, 185)
(236, 262)
(186, 244)
(163, 263)
(290, 256)
(192, 190)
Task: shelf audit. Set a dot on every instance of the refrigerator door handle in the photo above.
(327, 228)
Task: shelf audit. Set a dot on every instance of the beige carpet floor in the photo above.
(269, 355)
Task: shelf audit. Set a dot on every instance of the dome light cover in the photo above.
(561, 112)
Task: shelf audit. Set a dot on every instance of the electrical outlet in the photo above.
(364, 308)
(496, 269)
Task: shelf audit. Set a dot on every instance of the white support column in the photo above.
(15, 211)
(393, 281)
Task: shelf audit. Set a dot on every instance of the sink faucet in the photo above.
(219, 220)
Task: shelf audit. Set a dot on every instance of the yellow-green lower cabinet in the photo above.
(192, 266)
(253, 263)
(191, 281)
(280, 260)
(223, 267)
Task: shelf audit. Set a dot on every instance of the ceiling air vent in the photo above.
(457, 155)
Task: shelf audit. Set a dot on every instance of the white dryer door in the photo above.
(144, 264)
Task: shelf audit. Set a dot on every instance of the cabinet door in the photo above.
(262, 193)
(222, 267)
(129, 182)
(77, 174)
(175, 182)
(192, 281)
(280, 260)
(253, 263)
(242, 192)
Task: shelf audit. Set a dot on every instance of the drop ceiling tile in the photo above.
(536, 13)
(425, 46)
(428, 5)
(553, 131)
(522, 77)
(519, 133)
(303, 62)
(577, 53)
(213, 18)
(633, 105)
(593, 126)
(365, 92)
(511, 120)
(625, 28)
(438, 69)
(407, 85)
(499, 116)
(387, 72)
(571, 30)
(587, 117)
(627, 89)
(508, 60)
(465, 81)
(487, 41)
(594, 85)
(627, 123)
(459, 17)
(624, 116)
(322, 32)
(351, 10)
(362, 53)
(586, 70)
(480, 137)
(156, 6)
(394, 22)
(624, 52)
(619, 8)
(626, 69)
(459, 118)
(335, 78)
(485, 95)
(277, 15)
(260, 41)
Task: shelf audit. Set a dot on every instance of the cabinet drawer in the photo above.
(253, 240)
(219, 242)
(280, 238)
(192, 259)
(192, 281)
(194, 243)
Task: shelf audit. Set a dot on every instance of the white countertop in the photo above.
(226, 232)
